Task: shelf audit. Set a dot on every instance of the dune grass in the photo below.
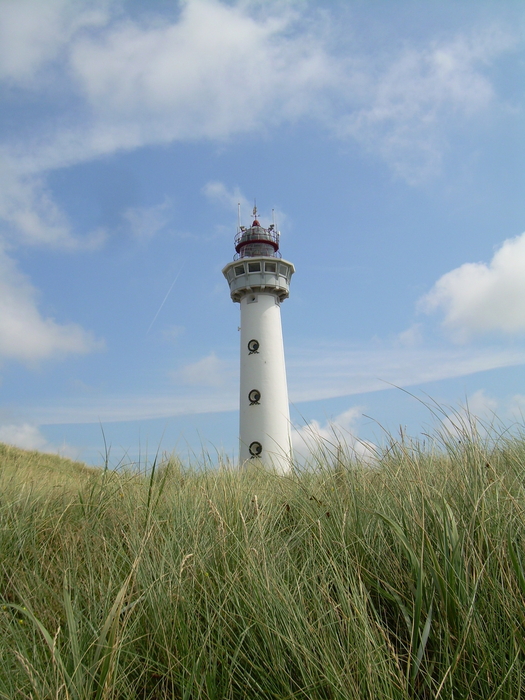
(397, 580)
(32, 469)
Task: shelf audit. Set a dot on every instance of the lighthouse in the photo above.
(259, 281)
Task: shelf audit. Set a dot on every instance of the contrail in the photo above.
(164, 300)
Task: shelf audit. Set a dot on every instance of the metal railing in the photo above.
(257, 233)
(273, 254)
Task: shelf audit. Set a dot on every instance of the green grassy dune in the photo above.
(40, 470)
(401, 580)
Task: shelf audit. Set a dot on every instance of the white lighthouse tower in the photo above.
(260, 280)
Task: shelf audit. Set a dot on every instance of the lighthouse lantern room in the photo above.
(259, 281)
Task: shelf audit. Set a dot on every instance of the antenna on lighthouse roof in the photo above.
(238, 216)
(254, 207)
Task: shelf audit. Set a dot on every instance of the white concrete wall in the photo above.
(269, 421)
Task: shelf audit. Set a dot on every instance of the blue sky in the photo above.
(387, 136)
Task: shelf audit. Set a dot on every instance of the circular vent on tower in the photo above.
(253, 346)
(255, 449)
(254, 396)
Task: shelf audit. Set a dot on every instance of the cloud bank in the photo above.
(339, 433)
(29, 437)
(210, 371)
(479, 298)
(34, 33)
(25, 334)
(210, 385)
(218, 69)
(407, 105)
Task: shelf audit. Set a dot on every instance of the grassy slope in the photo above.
(39, 469)
(404, 581)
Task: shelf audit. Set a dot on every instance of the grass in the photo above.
(32, 469)
(398, 581)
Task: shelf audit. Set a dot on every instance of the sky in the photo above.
(388, 140)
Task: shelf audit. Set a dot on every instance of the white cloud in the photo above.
(404, 108)
(320, 372)
(476, 415)
(29, 437)
(24, 435)
(33, 33)
(324, 371)
(481, 404)
(32, 217)
(145, 222)
(516, 409)
(209, 371)
(411, 336)
(173, 333)
(477, 298)
(115, 408)
(214, 72)
(217, 191)
(229, 198)
(24, 334)
(340, 433)
(222, 69)
(480, 411)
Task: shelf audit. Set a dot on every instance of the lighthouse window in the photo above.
(255, 449)
(239, 270)
(254, 396)
(254, 267)
(253, 346)
(270, 267)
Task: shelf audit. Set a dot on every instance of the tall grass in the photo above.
(398, 580)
